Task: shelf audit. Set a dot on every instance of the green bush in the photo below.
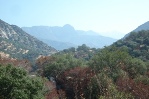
(16, 84)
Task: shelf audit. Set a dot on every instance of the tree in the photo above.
(16, 84)
(110, 61)
(56, 64)
(83, 47)
(136, 66)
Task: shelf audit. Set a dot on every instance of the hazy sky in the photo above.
(112, 16)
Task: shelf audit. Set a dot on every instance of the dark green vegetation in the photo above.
(15, 83)
(119, 71)
(110, 74)
(137, 44)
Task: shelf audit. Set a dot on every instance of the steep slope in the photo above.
(18, 44)
(137, 44)
(67, 36)
(144, 26)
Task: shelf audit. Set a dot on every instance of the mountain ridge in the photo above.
(19, 44)
(67, 34)
(137, 44)
(144, 26)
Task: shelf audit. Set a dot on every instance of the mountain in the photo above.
(18, 44)
(66, 36)
(137, 44)
(144, 26)
(57, 44)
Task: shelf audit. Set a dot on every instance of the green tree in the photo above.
(136, 67)
(16, 84)
(110, 61)
(60, 63)
(83, 47)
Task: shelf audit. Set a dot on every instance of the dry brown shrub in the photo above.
(138, 90)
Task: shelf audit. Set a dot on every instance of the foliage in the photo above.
(116, 63)
(25, 64)
(142, 79)
(81, 52)
(138, 90)
(136, 67)
(101, 80)
(120, 71)
(76, 82)
(114, 60)
(137, 44)
(16, 84)
(56, 64)
(110, 61)
(114, 93)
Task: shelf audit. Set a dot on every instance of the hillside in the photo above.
(137, 44)
(18, 44)
(82, 72)
(108, 73)
(66, 36)
(144, 26)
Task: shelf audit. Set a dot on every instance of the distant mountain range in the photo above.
(18, 44)
(66, 36)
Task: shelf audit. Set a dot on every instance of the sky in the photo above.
(113, 18)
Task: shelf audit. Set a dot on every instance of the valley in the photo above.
(83, 64)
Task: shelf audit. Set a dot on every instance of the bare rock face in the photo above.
(18, 44)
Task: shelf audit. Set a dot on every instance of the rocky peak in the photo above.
(68, 27)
